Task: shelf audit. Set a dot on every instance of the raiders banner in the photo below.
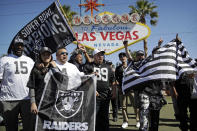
(67, 110)
(50, 29)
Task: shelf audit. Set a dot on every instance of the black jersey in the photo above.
(104, 78)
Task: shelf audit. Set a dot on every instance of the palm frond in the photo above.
(133, 9)
(154, 15)
(140, 4)
(68, 12)
(154, 7)
(153, 22)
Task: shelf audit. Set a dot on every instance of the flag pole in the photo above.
(67, 20)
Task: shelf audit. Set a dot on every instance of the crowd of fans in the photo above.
(22, 83)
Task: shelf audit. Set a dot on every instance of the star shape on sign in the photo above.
(91, 5)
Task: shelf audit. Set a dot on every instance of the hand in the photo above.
(160, 42)
(191, 76)
(79, 45)
(34, 108)
(125, 43)
(178, 38)
(117, 83)
(39, 65)
(97, 94)
(95, 73)
(53, 64)
(82, 48)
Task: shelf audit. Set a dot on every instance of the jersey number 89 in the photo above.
(102, 73)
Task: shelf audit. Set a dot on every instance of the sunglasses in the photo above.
(64, 53)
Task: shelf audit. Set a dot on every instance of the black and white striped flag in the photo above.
(166, 63)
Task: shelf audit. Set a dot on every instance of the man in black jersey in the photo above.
(105, 76)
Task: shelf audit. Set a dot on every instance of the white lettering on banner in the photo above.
(45, 30)
(62, 27)
(61, 125)
(34, 25)
(30, 28)
(50, 27)
(45, 15)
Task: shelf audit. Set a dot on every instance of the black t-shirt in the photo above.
(119, 74)
(36, 81)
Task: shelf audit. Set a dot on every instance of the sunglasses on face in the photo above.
(64, 53)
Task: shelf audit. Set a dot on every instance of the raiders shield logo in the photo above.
(68, 103)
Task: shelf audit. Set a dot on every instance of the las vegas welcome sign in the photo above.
(107, 31)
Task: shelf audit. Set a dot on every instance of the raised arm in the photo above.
(160, 42)
(158, 46)
(82, 48)
(86, 54)
(130, 58)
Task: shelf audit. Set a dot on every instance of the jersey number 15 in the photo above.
(21, 68)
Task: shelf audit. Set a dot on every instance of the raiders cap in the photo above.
(18, 41)
(45, 49)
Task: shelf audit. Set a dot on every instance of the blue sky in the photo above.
(175, 16)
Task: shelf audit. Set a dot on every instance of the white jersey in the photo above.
(14, 73)
(74, 75)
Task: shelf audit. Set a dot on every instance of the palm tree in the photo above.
(146, 11)
(68, 12)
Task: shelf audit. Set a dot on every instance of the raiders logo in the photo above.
(68, 103)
